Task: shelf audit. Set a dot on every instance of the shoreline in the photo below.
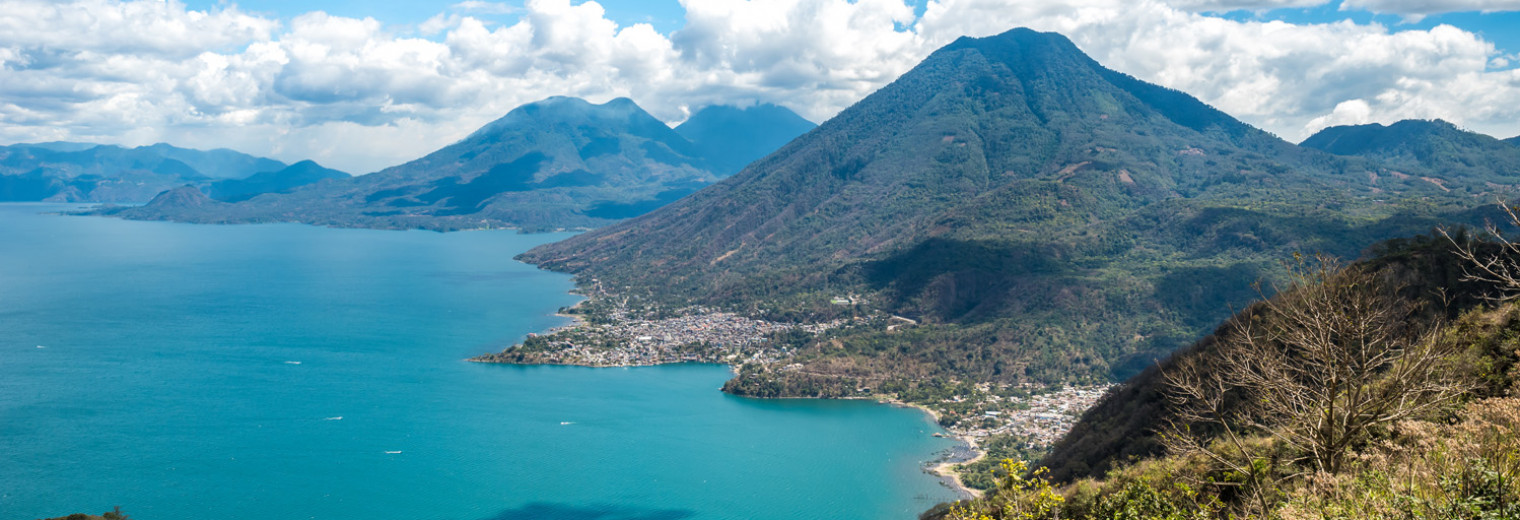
(942, 467)
(946, 471)
(575, 319)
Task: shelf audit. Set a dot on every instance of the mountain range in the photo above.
(81, 172)
(1013, 212)
(558, 163)
(1042, 217)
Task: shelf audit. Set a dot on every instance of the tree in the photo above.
(1314, 370)
(1501, 270)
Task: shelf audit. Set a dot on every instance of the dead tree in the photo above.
(1501, 270)
(1315, 369)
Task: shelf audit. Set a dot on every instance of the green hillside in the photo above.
(1042, 218)
(1432, 151)
(1416, 418)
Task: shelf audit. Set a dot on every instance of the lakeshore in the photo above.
(1027, 417)
(947, 467)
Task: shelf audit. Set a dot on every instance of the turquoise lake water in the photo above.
(265, 372)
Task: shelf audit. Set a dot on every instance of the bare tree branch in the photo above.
(1316, 368)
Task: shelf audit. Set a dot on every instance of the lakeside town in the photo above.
(704, 336)
(1032, 417)
(1038, 414)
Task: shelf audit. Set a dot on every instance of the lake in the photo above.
(294, 372)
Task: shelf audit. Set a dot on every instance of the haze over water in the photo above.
(286, 371)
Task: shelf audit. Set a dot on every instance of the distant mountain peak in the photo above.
(1027, 52)
(622, 103)
(1431, 147)
(569, 110)
(110, 173)
(60, 146)
(731, 137)
(972, 190)
(281, 181)
(559, 162)
(183, 197)
(1407, 125)
(574, 103)
(1022, 37)
(938, 151)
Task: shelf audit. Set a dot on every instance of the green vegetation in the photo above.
(1041, 219)
(1123, 426)
(1426, 419)
(1427, 149)
(983, 474)
(109, 515)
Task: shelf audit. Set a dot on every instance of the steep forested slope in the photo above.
(1041, 216)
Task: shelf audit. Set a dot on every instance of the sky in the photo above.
(361, 85)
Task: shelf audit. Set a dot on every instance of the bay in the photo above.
(288, 372)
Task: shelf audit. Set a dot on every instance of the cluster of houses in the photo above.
(710, 337)
(1042, 417)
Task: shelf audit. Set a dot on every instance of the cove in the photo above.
(287, 371)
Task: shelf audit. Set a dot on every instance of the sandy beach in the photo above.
(947, 471)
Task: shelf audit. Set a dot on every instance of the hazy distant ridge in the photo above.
(558, 163)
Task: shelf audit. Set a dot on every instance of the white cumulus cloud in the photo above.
(359, 94)
(1415, 9)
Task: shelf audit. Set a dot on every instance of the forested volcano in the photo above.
(731, 137)
(1041, 216)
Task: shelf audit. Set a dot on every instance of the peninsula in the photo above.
(993, 421)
